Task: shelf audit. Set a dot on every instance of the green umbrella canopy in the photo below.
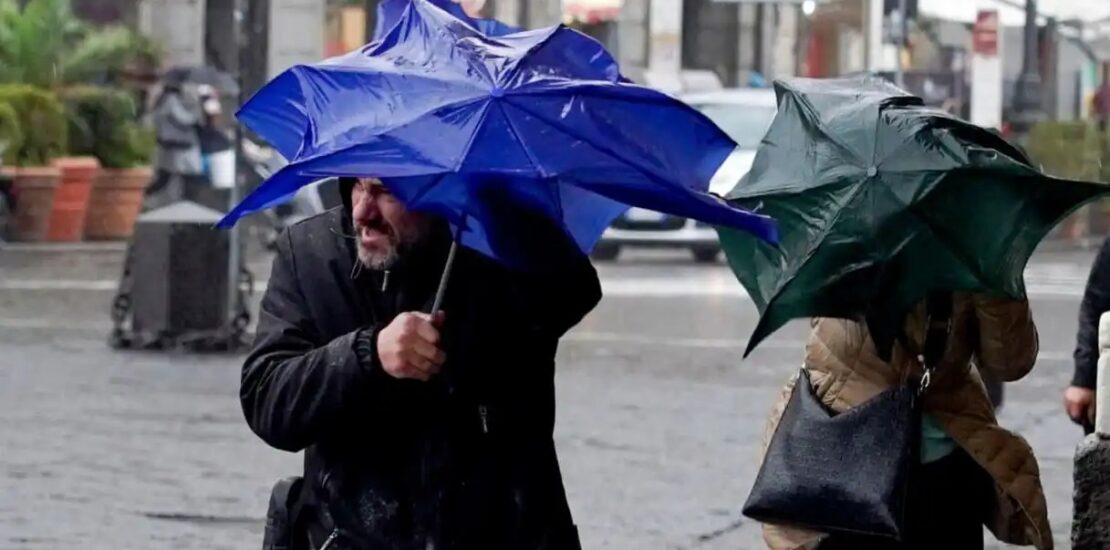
(881, 200)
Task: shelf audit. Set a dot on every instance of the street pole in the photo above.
(1028, 107)
(241, 27)
(524, 14)
(900, 42)
(801, 45)
(371, 18)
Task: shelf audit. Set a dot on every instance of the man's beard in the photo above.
(380, 259)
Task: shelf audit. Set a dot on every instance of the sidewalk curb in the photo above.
(47, 248)
(1085, 244)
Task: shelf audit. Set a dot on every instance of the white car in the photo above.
(744, 114)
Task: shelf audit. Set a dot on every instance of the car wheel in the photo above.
(706, 255)
(606, 252)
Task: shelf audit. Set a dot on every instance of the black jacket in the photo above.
(1096, 301)
(465, 461)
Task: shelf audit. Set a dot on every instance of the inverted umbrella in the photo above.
(882, 200)
(445, 114)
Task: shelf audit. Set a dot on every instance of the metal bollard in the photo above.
(1091, 515)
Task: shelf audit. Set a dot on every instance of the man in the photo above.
(419, 432)
(1079, 398)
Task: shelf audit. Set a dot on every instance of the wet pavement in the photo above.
(658, 418)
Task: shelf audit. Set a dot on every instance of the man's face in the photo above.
(383, 226)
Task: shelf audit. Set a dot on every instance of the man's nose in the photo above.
(366, 208)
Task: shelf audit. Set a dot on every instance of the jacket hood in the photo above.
(346, 185)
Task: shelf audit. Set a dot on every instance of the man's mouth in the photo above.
(373, 235)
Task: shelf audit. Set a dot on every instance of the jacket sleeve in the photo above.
(296, 389)
(1008, 342)
(181, 113)
(1096, 301)
(570, 295)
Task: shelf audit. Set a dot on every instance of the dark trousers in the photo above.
(949, 501)
(168, 188)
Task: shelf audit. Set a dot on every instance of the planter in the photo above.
(71, 202)
(117, 198)
(35, 188)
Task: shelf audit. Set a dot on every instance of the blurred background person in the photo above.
(1079, 397)
(178, 163)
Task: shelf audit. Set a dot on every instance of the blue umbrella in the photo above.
(391, 11)
(445, 115)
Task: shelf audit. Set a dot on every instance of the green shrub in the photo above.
(142, 145)
(45, 44)
(102, 123)
(11, 135)
(1066, 149)
(43, 121)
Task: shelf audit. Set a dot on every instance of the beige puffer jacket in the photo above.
(999, 336)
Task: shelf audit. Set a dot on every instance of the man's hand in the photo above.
(409, 347)
(1079, 403)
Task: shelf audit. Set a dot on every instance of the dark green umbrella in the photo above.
(881, 200)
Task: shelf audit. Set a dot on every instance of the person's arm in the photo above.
(1096, 301)
(568, 294)
(1008, 342)
(294, 387)
(560, 283)
(1079, 397)
(180, 113)
(297, 389)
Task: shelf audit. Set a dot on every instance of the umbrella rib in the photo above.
(456, 104)
(604, 89)
(940, 236)
(473, 137)
(815, 119)
(520, 139)
(875, 142)
(514, 68)
(811, 252)
(532, 159)
(591, 143)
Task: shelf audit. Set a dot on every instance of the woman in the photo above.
(972, 471)
(177, 121)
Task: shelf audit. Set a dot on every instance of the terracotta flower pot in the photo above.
(117, 198)
(35, 188)
(71, 202)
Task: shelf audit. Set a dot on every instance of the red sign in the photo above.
(984, 37)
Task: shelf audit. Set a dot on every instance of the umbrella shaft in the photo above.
(443, 280)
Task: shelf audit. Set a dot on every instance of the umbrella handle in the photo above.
(442, 290)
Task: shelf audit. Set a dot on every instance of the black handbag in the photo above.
(848, 473)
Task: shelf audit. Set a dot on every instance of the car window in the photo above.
(745, 124)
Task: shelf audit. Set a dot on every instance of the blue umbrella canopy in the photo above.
(391, 11)
(445, 115)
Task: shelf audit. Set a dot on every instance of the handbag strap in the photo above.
(938, 327)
